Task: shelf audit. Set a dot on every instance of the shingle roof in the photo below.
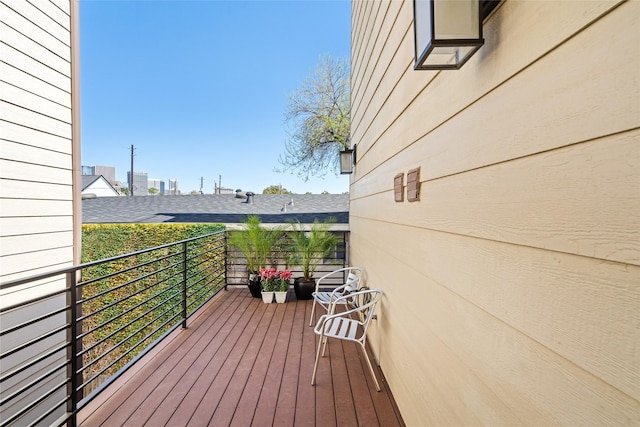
(87, 180)
(224, 208)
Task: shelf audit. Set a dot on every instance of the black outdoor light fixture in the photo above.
(347, 160)
(447, 33)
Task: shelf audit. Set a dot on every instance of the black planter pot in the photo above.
(304, 288)
(255, 287)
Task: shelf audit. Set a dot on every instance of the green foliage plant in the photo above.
(276, 189)
(256, 243)
(284, 280)
(309, 247)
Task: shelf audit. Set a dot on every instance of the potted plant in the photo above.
(257, 244)
(282, 285)
(268, 279)
(308, 249)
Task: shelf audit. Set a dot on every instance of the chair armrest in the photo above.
(339, 291)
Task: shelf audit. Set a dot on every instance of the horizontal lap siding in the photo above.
(36, 200)
(35, 137)
(512, 286)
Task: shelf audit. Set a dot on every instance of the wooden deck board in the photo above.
(245, 363)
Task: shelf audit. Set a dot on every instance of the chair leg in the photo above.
(315, 365)
(324, 346)
(313, 310)
(373, 374)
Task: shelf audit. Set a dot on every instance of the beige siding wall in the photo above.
(512, 288)
(36, 198)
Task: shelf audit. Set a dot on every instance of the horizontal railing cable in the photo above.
(123, 327)
(32, 321)
(32, 404)
(117, 309)
(116, 303)
(118, 344)
(17, 370)
(128, 351)
(33, 383)
(129, 283)
(34, 341)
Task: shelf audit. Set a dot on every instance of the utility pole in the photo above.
(201, 184)
(131, 173)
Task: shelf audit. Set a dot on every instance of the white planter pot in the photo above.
(267, 297)
(281, 297)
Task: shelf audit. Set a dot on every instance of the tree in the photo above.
(276, 189)
(153, 191)
(318, 117)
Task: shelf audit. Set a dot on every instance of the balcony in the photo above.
(243, 362)
(178, 342)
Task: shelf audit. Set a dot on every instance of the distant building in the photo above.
(140, 183)
(173, 188)
(108, 172)
(158, 184)
(221, 190)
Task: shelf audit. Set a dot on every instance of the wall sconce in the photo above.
(347, 160)
(447, 33)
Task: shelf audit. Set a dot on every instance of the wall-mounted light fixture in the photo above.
(447, 33)
(347, 160)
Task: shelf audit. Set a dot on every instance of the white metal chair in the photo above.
(342, 326)
(353, 283)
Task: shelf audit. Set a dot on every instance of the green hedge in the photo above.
(134, 295)
(100, 241)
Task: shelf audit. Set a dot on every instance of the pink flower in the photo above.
(285, 275)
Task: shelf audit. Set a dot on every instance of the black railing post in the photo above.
(184, 285)
(226, 256)
(72, 350)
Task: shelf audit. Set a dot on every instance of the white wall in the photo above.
(101, 188)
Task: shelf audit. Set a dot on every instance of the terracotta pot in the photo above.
(304, 288)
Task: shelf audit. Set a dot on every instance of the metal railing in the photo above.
(62, 347)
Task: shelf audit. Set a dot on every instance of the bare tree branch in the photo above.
(318, 118)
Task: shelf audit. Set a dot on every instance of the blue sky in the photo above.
(200, 87)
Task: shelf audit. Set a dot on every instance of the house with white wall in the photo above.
(40, 220)
(512, 280)
(97, 186)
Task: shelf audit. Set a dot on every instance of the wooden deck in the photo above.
(245, 363)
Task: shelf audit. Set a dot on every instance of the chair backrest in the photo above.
(366, 301)
(354, 279)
